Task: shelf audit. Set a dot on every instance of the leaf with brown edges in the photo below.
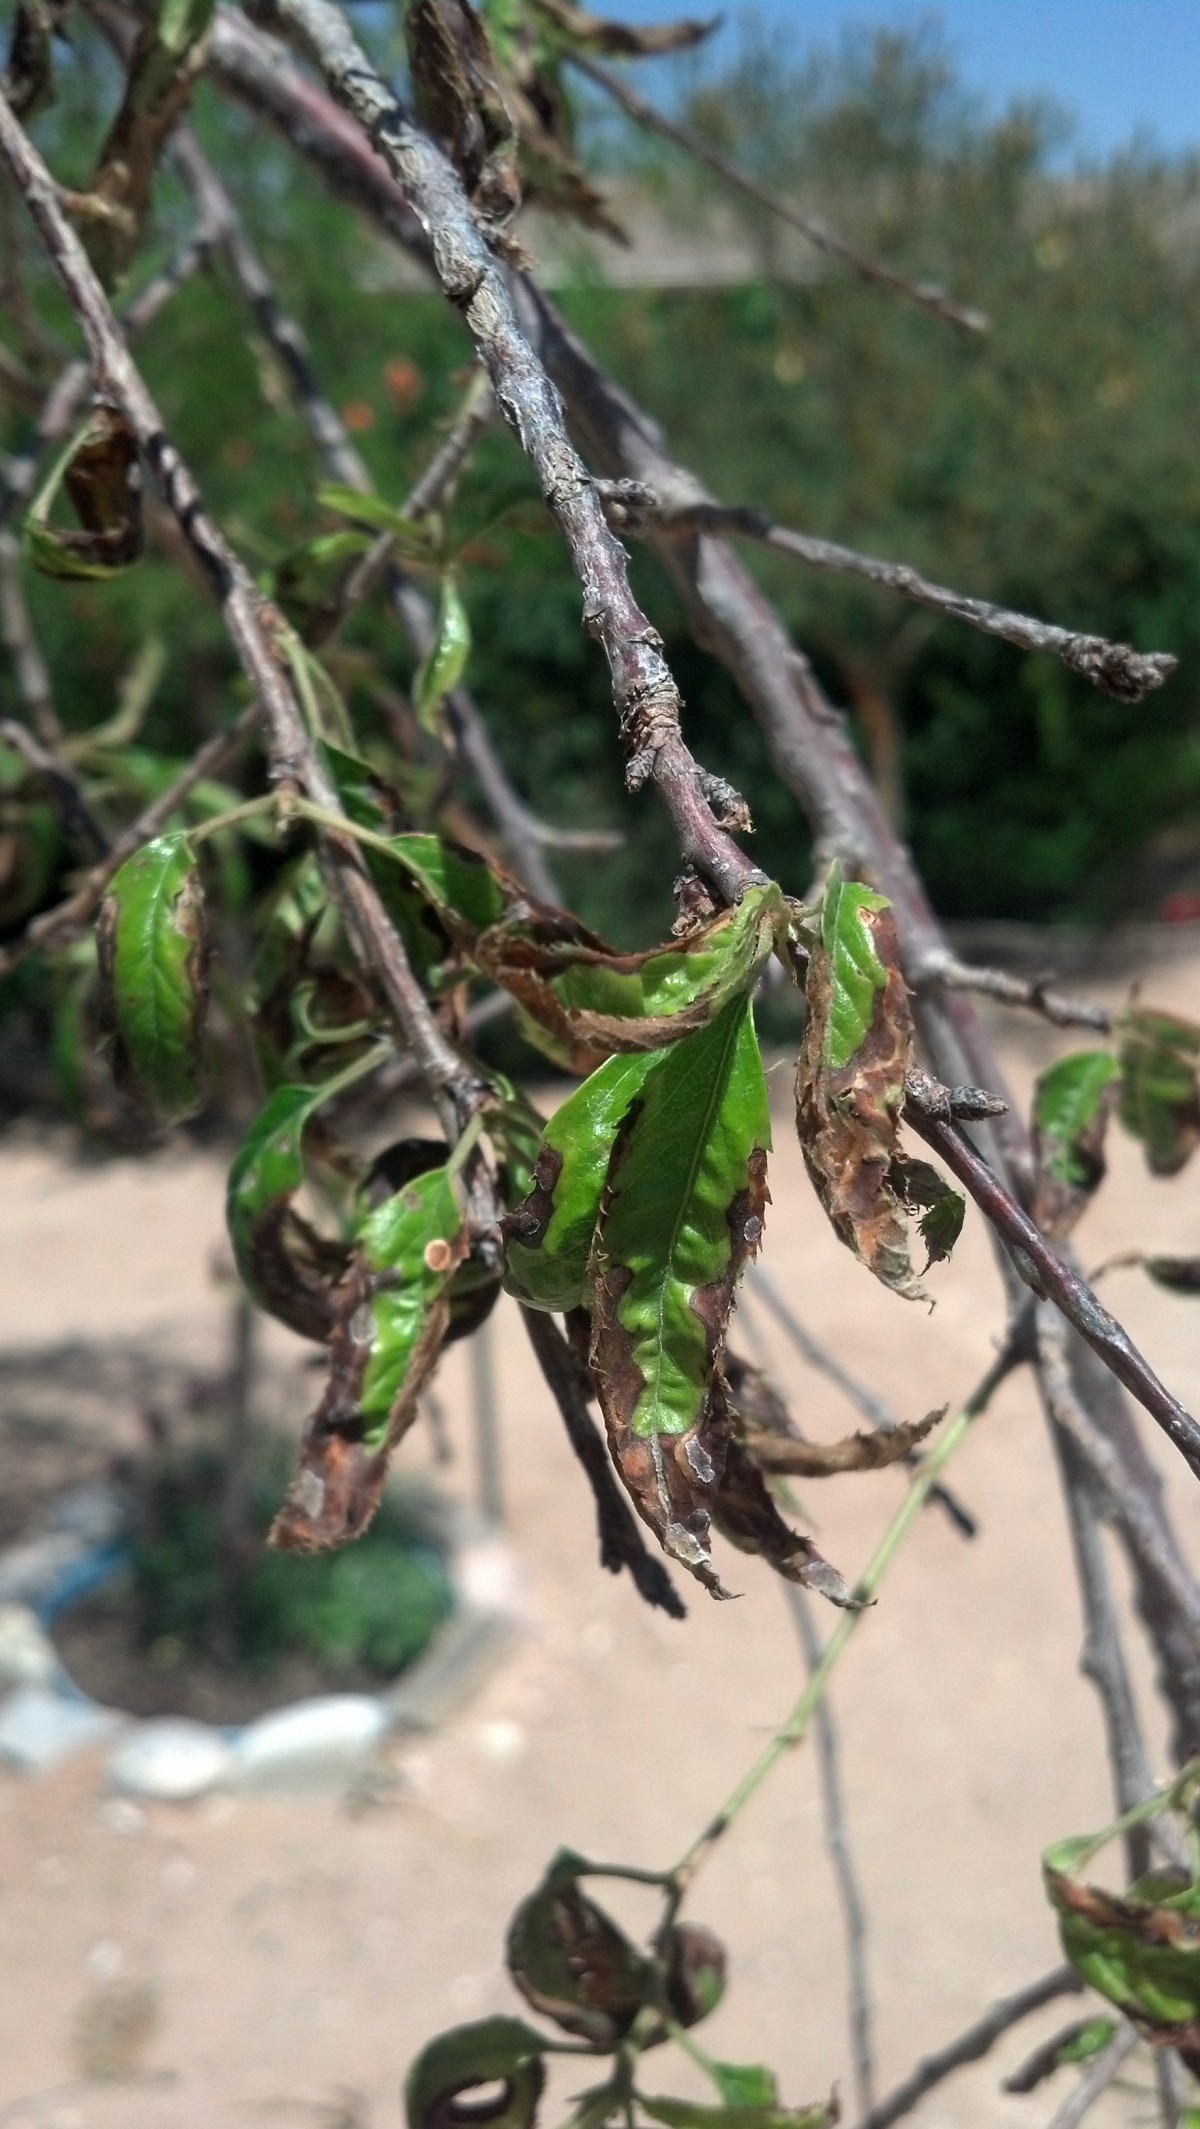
(683, 1208)
(857, 1049)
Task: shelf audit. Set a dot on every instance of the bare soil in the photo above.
(274, 1961)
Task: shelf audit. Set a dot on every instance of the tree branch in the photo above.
(1042, 1269)
(1033, 992)
(644, 693)
(976, 2041)
(254, 629)
(1116, 668)
(816, 231)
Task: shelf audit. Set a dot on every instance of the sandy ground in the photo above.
(291, 1956)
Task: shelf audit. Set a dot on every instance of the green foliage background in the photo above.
(1050, 466)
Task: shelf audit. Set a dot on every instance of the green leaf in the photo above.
(443, 668)
(457, 883)
(1067, 1100)
(414, 1239)
(1141, 1950)
(151, 940)
(503, 2050)
(580, 1000)
(372, 510)
(689, 2114)
(855, 969)
(273, 1252)
(392, 1317)
(1088, 2039)
(1160, 1098)
(684, 1205)
(182, 22)
(549, 1236)
(745, 2084)
(918, 1183)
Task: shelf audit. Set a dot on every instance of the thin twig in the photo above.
(978, 2040)
(644, 693)
(1033, 992)
(856, 1393)
(1045, 1272)
(1096, 2079)
(1116, 668)
(621, 1541)
(845, 1874)
(810, 226)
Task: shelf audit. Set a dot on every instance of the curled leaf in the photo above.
(1140, 1949)
(1160, 1094)
(152, 946)
(504, 2051)
(101, 473)
(572, 1963)
(745, 1513)
(1180, 1275)
(581, 1001)
(683, 1207)
(284, 1265)
(696, 1972)
(1072, 1104)
(392, 1315)
(442, 670)
(857, 1049)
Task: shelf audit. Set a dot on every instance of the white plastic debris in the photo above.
(170, 1758)
(27, 1654)
(314, 1747)
(40, 1728)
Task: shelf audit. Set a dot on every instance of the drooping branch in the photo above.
(978, 2040)
(253, 627)
(472, 278)
(808, 743)
(810, 226)
(1042, 1269)
(1116, 668)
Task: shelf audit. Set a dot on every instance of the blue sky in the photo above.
(1122, 67)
